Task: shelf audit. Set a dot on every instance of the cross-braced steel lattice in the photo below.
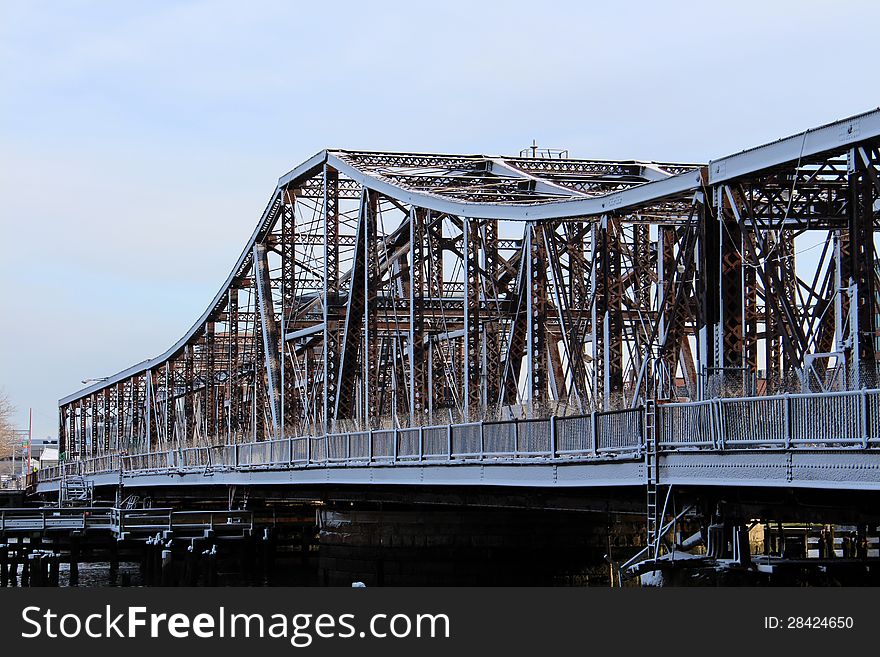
(400, 289)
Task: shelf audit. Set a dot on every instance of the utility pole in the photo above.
(30, 438)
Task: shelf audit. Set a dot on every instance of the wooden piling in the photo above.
(74, 562)
(4, 565)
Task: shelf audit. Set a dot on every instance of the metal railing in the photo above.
(50, 518)
(872, 415)
(620, 431)
(797, 421)
(692, 424)
(140, 522)
(126, 523)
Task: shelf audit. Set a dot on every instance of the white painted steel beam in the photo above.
(830, 138)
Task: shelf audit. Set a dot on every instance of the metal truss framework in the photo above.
(396, 289)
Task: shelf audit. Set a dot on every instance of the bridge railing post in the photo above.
(369, 446)
(552, 436)
(863, 417)
(594, 439)
(786, 415)
(394, 437)
(421, 442)
(482, 439)
(722, 423)
(308, 451)
(449, 441)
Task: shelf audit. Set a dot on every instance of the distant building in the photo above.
(40, 444)
(48, 457)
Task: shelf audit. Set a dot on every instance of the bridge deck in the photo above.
(829, 440)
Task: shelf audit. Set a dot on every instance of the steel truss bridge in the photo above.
(412, 318)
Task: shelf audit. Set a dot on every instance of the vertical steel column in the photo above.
(208, 375)
(773, 340)
(731, 286)
(642, 265)
(332, 345)
(437, 373)
(607, 313)
(188, 410)
(120, 415)
(614, 325)
(750, 317)
(62, 429)
(491, 342)
(133, 408)
(233, 385)
(81, 452)
(269, 330)
(371, 390)
(709, 284)
(416, 354)
(70, 446)
(170, 404)
(93, 429)
(289, 405)
(105, 422)
(665, 299)
(257, 410)
(536, 319)
(641, 273)
(785, 285)
(862, 257)
(473, 355)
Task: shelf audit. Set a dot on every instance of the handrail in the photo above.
(822, 421)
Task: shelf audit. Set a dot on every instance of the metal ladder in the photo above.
(76, 490)
(651, 478)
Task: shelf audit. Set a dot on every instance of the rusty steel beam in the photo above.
(385, 290)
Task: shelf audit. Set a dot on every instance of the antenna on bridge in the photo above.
(544, 153)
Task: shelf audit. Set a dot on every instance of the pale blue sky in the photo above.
(140, 141)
